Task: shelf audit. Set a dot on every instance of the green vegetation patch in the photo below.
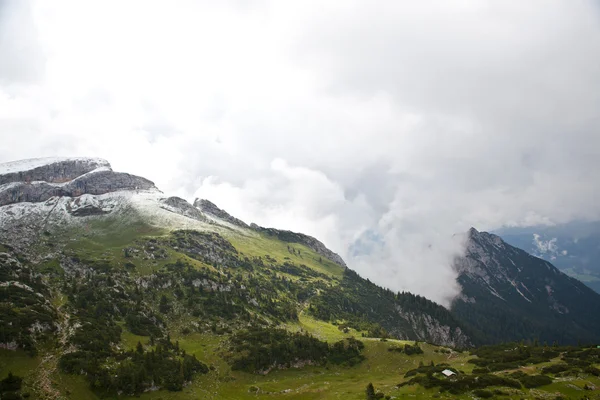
(531, 381)
(10, 387)
(166, 366)
(407, 349)
(261, 349)
(23, 306)
(261, 244)
(459, 383)
(510, 356)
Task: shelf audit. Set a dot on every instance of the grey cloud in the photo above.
(382, 128)
(22, 58)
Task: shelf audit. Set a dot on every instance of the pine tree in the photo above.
(370, 392)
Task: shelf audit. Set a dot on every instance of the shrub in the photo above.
(407, 349)
(482, 393)
(533, 381)
(554, 369)
(11, 383)
(462, 383)
(142, 325)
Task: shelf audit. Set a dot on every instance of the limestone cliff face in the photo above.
(51, 170)
(67, 177)
(429, 329)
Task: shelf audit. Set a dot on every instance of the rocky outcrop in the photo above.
(71, 178)
(182, 207)
(49, 170)
(431, 330)
(211, 209)
(308, 241)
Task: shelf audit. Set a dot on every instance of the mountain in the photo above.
(103, 276)
(508, 294)
(574, 247)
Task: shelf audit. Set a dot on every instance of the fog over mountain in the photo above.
(381, 128)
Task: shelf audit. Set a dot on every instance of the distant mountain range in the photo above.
(574, 248)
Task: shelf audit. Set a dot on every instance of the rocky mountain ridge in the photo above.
(510, 294)
(72, 178)
(208, 207)
(51, 169)
(58, 194)
(130, 292)
(56, 204)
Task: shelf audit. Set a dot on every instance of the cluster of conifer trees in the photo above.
(163, 365)
(261, 348)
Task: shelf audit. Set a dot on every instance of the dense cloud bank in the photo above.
(382, 128)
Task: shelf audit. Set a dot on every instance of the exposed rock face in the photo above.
(427, 328)
(49, 170)
(308, 241)
(88, 210)
(71, 178)
(210, 208)
(180, 206)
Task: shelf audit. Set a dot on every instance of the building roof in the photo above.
(447, 372)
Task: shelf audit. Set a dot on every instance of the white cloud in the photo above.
(545, 246)
(376, 126)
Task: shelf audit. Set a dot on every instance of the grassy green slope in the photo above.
(383, 368)
(102, 242)
(258, 245)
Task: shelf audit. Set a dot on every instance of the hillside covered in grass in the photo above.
(125, 312)
(190, 314)
(113, 291)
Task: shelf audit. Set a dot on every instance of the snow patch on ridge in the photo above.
(224, 223)
(33, 163)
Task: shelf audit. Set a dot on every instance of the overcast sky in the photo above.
(380, 127)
